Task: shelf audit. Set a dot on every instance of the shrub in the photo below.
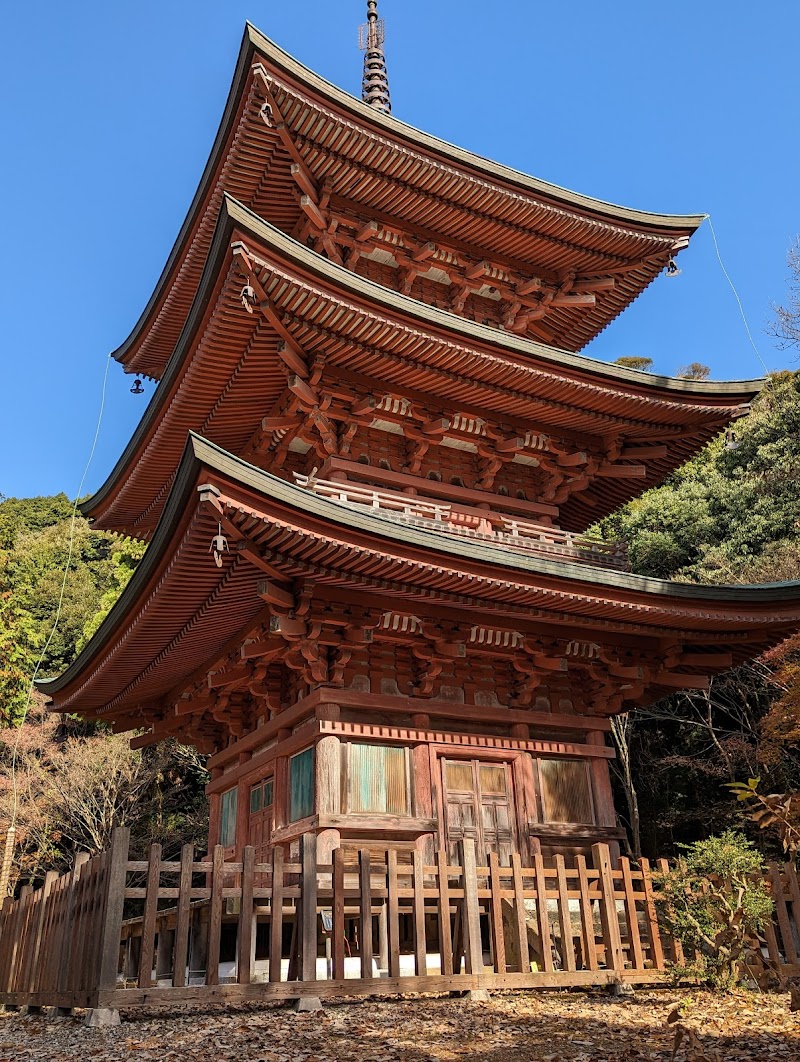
(715, 902)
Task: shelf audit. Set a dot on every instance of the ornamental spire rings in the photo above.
(375, 85)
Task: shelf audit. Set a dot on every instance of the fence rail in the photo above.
(119, 932)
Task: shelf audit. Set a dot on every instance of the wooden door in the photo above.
(479, 805)
(261, 818)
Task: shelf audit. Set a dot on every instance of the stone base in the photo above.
(620, 988)
(308, 1004)
(101, 1018)
(477, 995)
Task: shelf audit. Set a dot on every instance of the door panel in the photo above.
(261, 819)
(479, 806)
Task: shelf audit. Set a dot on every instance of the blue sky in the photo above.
(109, 110)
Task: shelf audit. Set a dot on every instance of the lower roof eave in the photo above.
(753, 616)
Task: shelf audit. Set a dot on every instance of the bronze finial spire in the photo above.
(375, 86)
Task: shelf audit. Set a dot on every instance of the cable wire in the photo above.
(54, 628)
(736, 296)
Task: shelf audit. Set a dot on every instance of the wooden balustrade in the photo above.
(119, 932)
(492, 527)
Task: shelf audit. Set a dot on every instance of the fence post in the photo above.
(8, 859)
(111, 930)
(34, 976)
(6, 922)
(601, 858)
(782, 914)
(472, 917)
(307, 917)
(181, 948)
(246, 934)
(653, 928)
(81, 858)
(365, 911)
(149, 919)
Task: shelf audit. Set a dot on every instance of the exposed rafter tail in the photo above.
(375, 86)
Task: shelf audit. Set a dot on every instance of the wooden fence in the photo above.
(116, 932)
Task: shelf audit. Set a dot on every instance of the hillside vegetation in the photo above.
(730, 515)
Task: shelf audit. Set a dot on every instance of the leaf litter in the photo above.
(652, 1026)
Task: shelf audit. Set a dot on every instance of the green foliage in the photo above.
(35, 536)
(715, 902)
(18, 515)
(123, 564)
(727, 512)
(18, 641)
(76, 781)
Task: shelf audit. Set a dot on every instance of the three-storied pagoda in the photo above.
(365, 477)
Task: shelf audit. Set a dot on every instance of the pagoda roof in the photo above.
(226, 373)
(285, 128)
(180, 612)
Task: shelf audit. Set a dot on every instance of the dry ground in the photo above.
(556, 1027)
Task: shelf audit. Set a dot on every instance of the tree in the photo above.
(622, 727)
(38, 537)
(74, 782)
(632, 362)
(695, 370)
(18, 641)
(786, 327)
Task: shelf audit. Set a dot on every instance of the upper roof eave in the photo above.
(255, 42)
(494, 170)
(200, 455)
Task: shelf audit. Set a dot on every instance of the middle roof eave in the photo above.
(235, 223)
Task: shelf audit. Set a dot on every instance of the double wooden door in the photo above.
(479, 804)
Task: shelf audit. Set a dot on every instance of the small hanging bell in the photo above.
(731, 442)
(672, 269)
(137, 388)
(219, 545)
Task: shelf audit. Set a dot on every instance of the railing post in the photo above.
(247, 929)
(181, 953)
(111, 928)
(365, 911)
